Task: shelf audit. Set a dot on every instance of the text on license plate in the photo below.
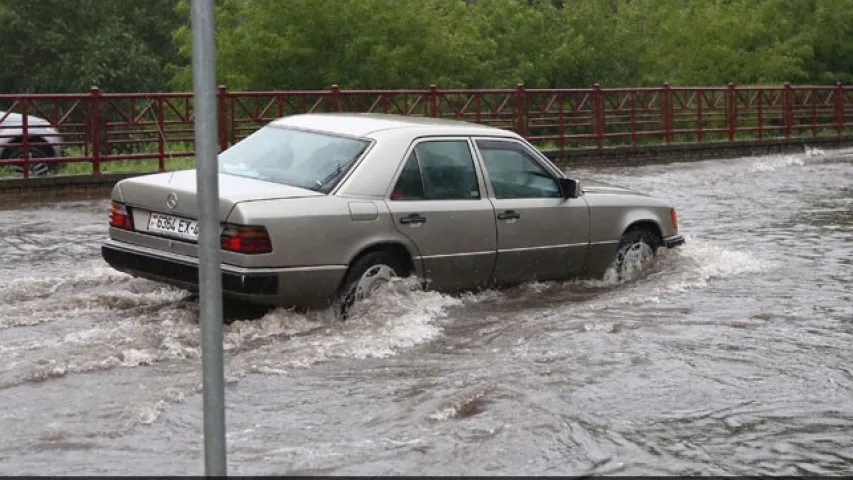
(173, 226)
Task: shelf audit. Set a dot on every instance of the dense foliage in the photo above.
(69, 45)
(132, 45)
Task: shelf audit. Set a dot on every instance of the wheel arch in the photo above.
(397, 248)
(33, 139)
(646, 224)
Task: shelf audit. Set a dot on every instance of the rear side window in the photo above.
(438, 170)
(410, 185)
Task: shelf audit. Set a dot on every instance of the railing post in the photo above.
(96, 130)
(731, 111)
(839, 108)
(335, 92)
(161, 144)
(787, 110)
(814, 94)
(597, 116)
(699, 97)
(433, 100)
(478, 115)
(26, 137)
(521, 110)
(222, 94)
(232, 120)
(666, 112)
(759, 96)
(562, 121)
(633, 117)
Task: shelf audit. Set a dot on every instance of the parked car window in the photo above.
(448, 170)
(514, 173)
(410, 185)
(299, 158)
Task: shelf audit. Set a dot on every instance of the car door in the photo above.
(541, 234)
(438, 202)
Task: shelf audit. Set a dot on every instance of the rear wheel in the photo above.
(636, 251)
(366, 274)
(37, 169)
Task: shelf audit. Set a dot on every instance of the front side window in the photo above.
(514, 173)
(316, 161)
(438, 170)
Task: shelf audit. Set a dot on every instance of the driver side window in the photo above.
(514, 173)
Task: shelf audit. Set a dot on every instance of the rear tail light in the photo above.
(119, 216)
(246, 239)
(674, 217)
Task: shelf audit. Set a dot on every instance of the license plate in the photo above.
(173, 226)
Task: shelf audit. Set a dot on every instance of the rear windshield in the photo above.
(316, 161)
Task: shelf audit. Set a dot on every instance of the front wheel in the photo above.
(365, 275)
(636, 251)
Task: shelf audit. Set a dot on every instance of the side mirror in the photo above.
(570, 188)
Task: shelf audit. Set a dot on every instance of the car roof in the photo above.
(365, 124)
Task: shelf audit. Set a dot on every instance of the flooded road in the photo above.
(732, 356)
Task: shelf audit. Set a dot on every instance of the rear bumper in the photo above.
(292, 287)
(185, 273)
(673, 241)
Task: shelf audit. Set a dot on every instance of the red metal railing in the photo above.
(149, 131)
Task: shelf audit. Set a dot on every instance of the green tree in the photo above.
(832, 22)
(358, 44)
(499, 43)
(54, 46)
(135, 45)
(714, 42)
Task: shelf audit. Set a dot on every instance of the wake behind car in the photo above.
(320, 209)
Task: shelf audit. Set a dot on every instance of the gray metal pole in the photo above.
(209, 256)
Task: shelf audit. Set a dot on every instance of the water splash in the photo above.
(23, 288)
(163, 326)
(775, 162)
(463, 405)
(688, 268)
(398, 316)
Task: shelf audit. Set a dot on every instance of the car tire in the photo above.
(365, 274)
(636, 250)
(36, 151)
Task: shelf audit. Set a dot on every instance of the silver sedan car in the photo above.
(320, 209)
(44, 142)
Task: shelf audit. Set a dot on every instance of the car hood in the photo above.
(592, 187)
(150, 192)
(11, 118)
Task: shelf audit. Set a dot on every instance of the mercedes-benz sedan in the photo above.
(319, 209)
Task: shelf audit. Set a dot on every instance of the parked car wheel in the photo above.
(636, 251)
(366, 274)
(37, 168)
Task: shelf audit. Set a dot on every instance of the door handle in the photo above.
(413, 218)
(509, 215)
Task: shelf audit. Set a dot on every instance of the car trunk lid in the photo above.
(179, 189)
